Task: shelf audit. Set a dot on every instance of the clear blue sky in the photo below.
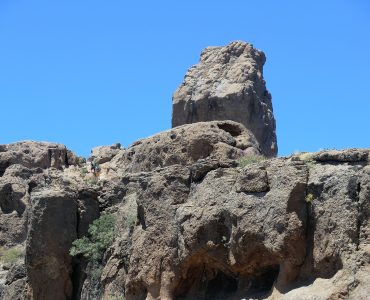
(89, 73)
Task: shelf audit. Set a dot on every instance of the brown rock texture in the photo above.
(228, 84)
(198, 227)
(45, 205)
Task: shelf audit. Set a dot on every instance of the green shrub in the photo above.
(11, 255)
(310, 197)
(84, 170)
(91, 181)
(96, 271)
(100, 237)
(250, 159)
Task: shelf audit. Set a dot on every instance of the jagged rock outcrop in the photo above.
(45, 204)
(228, 84)
(199, 227)
(35, 155)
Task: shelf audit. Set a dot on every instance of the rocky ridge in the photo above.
(283, 228)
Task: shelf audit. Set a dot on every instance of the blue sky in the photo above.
(89, 73)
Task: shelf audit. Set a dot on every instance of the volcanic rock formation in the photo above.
(228, 84)
(200, 214)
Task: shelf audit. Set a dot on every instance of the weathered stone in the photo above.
(252, 180)
(52, 229)
(347, 155)
(185, 145)
(198, 227)
(104, 154)
(33, 155)
(228, 84)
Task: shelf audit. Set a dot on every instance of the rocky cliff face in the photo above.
(228, 84)
(201, 212)
(204, 227)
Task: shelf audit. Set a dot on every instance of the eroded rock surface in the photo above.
(45, 204)
(228, 84)
(196, 227)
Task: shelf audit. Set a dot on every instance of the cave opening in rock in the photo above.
(221, 286)
(6, 201)
(262, 281)
(206, 283)
(3, 166)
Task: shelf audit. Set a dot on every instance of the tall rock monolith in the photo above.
(228, 84)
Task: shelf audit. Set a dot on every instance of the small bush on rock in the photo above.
(11, 255)
(309, 197)
(99, 238)
(250, 159)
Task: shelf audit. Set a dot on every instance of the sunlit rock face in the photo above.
(228, 84)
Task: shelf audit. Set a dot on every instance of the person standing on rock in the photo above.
(95, 168)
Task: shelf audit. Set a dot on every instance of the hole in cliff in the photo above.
(221, 286)
(141, 216)
(31, 186)
(205, 282)
(3, 166)
(6, 201)
(262, 281)
(232, 129)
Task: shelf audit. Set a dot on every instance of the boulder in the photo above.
(184, 145)
(228, 84)
(103, 154)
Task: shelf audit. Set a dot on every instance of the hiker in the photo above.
(95, 168)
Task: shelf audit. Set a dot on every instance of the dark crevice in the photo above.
(31, 186)
(197, 175)
(221, 285)
(66, 159)
(3, 167)
(78, 276)
(7, 204)
(260, 284)
(207, 281)
(359, 216)
(310, 224)
(141, 216)
(230, 128)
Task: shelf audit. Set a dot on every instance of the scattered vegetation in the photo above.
(130, 220)
(309, 197)
(100, 237)
(92, 181)
(84, 170)
(250, 159)
(11, 255)
(93, 246)
(306, 157)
